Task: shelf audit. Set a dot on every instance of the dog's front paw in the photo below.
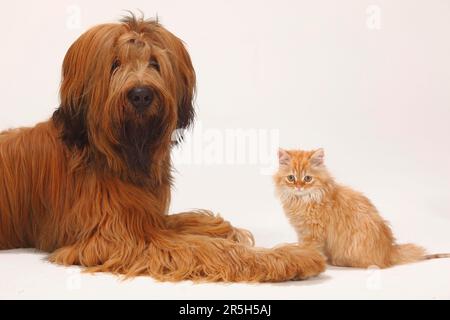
(304, 262)
(242, 236)
(66, 256)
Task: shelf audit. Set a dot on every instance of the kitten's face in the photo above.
(301, 173)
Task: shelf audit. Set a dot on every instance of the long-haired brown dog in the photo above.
(92, 184)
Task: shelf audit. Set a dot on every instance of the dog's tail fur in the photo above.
(407, 253)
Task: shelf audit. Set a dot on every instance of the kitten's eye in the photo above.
(291, 178)
(154, 64)
(307, 179)
(115, 65)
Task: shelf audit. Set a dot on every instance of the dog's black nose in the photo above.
(140, 97)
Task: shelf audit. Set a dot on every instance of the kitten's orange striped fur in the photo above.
(341, 222)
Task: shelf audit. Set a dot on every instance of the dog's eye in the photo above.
(307, 179)
(154, 64)
(115, 65)
(290, 178)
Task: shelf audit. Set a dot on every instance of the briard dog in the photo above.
(91, 185)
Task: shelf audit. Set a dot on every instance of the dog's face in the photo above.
(126, 87)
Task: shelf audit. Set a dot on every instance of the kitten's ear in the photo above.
(317, 157)
(283, 157)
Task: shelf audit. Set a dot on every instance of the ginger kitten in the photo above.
(341, 222)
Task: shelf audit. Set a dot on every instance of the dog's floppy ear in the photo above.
(186, 112)
(71, 122)
(85, 71)
(70, 117)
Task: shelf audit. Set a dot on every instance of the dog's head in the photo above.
(126, 87)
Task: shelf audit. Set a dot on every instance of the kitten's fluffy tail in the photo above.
(436, 256)
(406, 253)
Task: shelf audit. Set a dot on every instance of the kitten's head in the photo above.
(301, 173)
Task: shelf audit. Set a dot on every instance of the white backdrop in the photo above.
(367, 80)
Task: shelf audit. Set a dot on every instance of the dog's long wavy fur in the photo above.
(91, 185)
